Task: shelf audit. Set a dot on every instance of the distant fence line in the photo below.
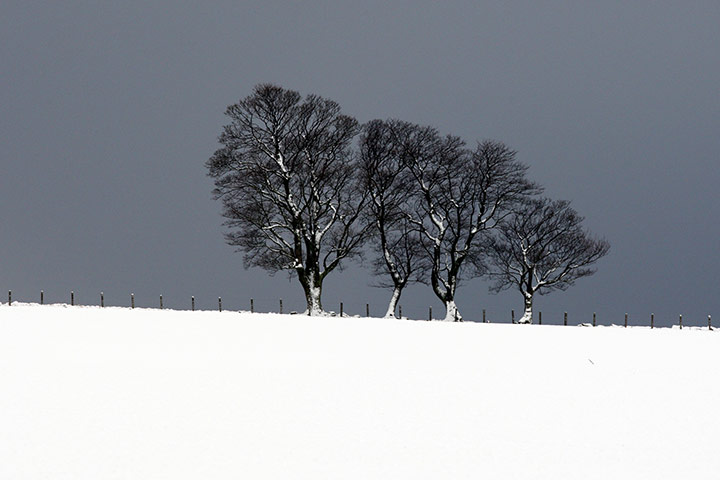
(342, 313)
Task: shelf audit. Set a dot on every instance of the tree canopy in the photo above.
(285, 175)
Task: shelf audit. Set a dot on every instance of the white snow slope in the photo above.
(90, 393)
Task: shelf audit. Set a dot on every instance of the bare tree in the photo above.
(540, 248)
(286, 177)
(459, 194)
(388, 184)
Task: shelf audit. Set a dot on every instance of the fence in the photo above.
(367, 311)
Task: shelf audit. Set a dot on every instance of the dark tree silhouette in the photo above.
(286, 177)
(388, 184)
(458, 195)
(540, 248)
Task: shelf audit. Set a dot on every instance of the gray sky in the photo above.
(110, 109)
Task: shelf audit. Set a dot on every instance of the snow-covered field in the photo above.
(90, 393)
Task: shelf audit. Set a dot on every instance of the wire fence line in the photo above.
(364, 310)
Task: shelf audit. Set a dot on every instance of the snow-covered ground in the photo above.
(90, 393)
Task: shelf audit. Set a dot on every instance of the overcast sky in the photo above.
(110, 109)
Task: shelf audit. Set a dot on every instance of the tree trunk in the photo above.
(451, 312)
(397, 291)
(527, 315)
(445, 291)
(313, 292)
(314, 304)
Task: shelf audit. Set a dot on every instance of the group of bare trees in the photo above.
(305, 187)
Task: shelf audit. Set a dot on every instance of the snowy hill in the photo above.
(90, 393)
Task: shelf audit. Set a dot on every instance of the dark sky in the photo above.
(110, 109)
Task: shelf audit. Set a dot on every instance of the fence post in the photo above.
(9, 297)
(102, 299)
(220, 304)
(652, 320)
(42, 297)
(565, 319)
(192, 301)
(281, 306)
(132, 300)
(341, 309)
(161, 303)
(539, 318)
(594, 320)
(484, 316)
(680, 322)
(367, 310)
(626, 320)
(72, 298)
(512, 315)
(429, 314)
(252, 305)
(709, 322)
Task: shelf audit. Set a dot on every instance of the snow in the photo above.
(91, 393)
